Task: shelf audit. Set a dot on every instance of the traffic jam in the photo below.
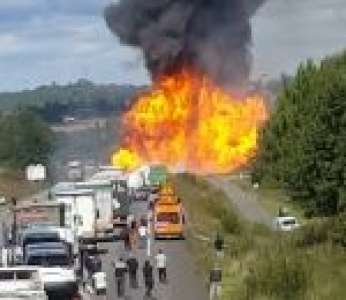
(53, 244)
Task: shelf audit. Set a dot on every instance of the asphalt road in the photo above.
(185, 282)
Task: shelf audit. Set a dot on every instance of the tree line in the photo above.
(302, 149)
(80, 99)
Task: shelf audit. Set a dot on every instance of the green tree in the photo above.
(303, 147)
(24, 139)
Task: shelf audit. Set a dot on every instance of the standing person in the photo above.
(119, 271)
(132, 265)
(161, 265)
(219, 245)
(215, 280)
(125, 236)
(142, 232)
(130, 219)
(148, 278)
(133, 234)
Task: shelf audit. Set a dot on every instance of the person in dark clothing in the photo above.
(132, 266)
(148, 278)
(125, 236)
(120, 270)
(218, 243)
(98, 264)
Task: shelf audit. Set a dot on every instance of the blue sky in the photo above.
(62, 40)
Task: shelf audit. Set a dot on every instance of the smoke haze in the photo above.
(211, 36)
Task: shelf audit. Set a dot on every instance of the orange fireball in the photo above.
(186, 121)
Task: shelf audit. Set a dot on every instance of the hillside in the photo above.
(82, 99)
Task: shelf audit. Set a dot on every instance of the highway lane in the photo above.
(185, 282)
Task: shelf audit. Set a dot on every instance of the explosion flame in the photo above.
(186, 121)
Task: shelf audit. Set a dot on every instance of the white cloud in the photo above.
(62, 46)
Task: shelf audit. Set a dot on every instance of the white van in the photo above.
(285, 223)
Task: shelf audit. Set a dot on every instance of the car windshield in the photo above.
(49, 261)
(169, 217)
(289, 222)
(46, 238)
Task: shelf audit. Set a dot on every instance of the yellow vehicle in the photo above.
(168, 215)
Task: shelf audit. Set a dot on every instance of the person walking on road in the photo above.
(161, 265)
(215, 280)
(148, 278)
(132, 265)
(142, 232)
(125, 236)
(219, 245)
(120, 270)
(133, 234)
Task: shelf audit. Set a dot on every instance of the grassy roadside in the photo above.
(260, 264)
(270, 198)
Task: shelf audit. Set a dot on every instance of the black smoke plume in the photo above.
(211, 36)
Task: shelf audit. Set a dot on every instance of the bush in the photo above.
(313, 234)
(278, 273)
(230, 222)
(338, 231)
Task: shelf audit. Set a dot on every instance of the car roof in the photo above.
(287, 218)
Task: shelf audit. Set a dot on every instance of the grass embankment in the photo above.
(269, 197)
(258, 263)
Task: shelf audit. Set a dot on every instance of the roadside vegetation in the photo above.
(258, 263)
(302, 148)
(24, 139)
(301, 165)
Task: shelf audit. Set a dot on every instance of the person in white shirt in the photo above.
(142, 232)
(161, 265)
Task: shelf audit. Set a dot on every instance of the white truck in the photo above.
(21, 283)
(103, 201)
(80, 212)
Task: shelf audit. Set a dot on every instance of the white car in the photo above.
(285, 223)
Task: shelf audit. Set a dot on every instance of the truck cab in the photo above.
(21, 283)
(55, 269)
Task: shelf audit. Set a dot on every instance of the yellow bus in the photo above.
(168, 215)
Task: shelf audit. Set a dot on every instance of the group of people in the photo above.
(131, 266)
(135, 233)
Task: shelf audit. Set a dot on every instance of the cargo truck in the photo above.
(157, 175)
(104, 205)
(80, 212)
(21, 283)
